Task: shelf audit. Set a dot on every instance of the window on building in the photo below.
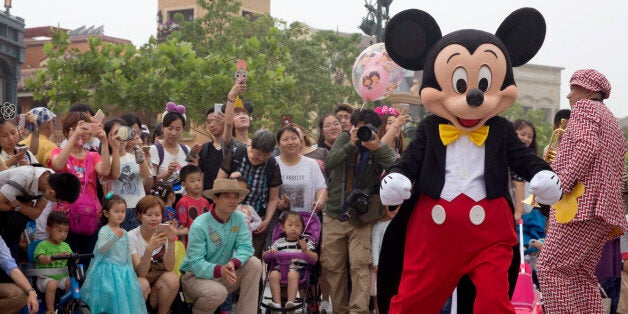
(188, 14)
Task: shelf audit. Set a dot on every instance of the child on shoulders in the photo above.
(292, 225)
(57, 227)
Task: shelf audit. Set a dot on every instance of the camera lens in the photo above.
(365, 134)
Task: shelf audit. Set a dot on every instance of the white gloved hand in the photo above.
(545, 185)
(394, 189)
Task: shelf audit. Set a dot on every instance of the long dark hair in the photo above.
(519, 123)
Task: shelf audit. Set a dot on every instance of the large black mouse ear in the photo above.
(409, 36)
(523, 33)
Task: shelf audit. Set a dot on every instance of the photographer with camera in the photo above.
(356, 161)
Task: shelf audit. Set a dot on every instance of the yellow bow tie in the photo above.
(449, 134)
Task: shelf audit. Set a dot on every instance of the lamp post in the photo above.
(376, 18)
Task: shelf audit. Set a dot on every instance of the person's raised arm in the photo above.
(106, 165)
(238, 88)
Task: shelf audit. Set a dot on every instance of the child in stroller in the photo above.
(290, 257)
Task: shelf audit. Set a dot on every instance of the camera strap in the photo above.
(360, 166)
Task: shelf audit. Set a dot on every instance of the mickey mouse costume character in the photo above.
(592, 152)
(458, 216)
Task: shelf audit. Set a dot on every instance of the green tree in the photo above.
(290, 71)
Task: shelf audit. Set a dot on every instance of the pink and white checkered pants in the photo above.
(567, 263)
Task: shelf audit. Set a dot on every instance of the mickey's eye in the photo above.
(484, 78)
(459, 80)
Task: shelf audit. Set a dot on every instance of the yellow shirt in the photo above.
(45, 148)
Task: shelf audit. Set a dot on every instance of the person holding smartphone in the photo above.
(11, 153)
(211, 152)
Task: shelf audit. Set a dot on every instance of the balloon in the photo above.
(375, 76)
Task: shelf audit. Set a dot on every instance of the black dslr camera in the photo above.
(367, 133)
(359, 200)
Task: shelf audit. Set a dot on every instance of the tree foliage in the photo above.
(289, 70)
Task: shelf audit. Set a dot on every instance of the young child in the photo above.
(292, 225)
(165, 192)
(111, 285)
(192, 204)
(57, 226)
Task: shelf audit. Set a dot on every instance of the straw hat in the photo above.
(226, 186)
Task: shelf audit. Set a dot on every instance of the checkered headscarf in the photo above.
(592, 80)
(43, 114)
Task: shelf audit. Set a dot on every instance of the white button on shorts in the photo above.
(438, 214)
(477, 215)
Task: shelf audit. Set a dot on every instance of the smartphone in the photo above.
(21, 149)
(218, 108)
(162, 227)
(21, 121)
(240, 70)
(194, 153)
(99, 116)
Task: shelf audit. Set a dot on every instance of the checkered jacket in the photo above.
(592, 151)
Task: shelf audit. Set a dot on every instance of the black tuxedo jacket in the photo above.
(423, 163)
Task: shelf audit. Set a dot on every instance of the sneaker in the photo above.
(290, 304)
(325, 305)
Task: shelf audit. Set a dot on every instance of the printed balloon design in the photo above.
(375, 76)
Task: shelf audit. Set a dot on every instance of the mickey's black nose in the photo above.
(475, 97)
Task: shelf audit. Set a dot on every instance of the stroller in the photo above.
(526, 299)
(312, 231)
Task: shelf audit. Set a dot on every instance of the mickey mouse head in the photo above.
(467, 74)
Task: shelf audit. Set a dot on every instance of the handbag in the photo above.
(157, 267)
(84, 213)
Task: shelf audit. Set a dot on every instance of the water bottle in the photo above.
(139, 154)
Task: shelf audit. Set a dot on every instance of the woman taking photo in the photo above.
(152, 253)
(134, 172)
(87, 166)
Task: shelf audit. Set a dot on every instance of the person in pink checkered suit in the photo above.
(592, 152)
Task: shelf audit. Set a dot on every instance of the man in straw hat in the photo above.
(592, 153)
(220, 257)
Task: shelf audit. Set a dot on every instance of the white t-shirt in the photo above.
(168, 158)
(137, 244)
(130, 185)
(300, 183)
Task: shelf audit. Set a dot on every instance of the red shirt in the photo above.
(189, 208)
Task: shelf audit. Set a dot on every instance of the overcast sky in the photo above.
(579, 34)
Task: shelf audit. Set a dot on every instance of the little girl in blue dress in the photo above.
(111, 285)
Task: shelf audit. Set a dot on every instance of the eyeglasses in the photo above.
(329, 125)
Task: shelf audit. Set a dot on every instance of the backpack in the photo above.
(160, 152)
(84, 213)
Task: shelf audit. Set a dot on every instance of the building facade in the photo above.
(11, 55)
(166, 9)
